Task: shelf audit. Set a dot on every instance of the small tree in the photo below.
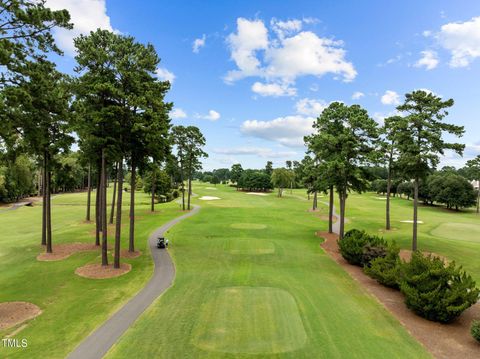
(473, 174)
(281, 178)
(235, 173)
(420, 142)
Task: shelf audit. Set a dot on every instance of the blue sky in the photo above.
(252, 75)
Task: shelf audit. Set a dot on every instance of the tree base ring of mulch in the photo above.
(406, 255)
(324, 217)
(63, 251)
(443, 341)
(14, 313)
(125, 253)
(97, 271)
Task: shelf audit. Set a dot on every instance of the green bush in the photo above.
(359, 248)
(386, 270)
(475, 330)
(436, 291)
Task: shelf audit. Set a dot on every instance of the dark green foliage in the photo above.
(475, 330)
(236, 172)
(436, 291)
(386, 270)
(451, 189)
(359, 248)
(254, 180)
(379, 186)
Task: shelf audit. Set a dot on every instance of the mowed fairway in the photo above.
(252, 281)
(72, 306)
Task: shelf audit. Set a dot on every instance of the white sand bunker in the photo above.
(257, 193)
(410, 221)
(211, 188)
(209, 198)
(383, 198)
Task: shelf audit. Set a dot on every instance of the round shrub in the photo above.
(359, 248)
(475, 330)
(436, 291)
(386, 270)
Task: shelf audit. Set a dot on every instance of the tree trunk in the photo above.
(44, 200)
(98, 206)
(118, 220)
(112, 210)
(415, 214)
(89, 195)
(478, 198)
(154, 180)
(189, 191)
(330, 211)
(49, 208)
(104, 211)
(387, 206)
(342, 215)
(131, 242)
(314, 206)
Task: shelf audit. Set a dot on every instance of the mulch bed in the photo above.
(63, 251)
(124, 253)
(442, 340)
(97, 271)
(14, 313)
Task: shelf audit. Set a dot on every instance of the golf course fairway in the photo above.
(252, 281)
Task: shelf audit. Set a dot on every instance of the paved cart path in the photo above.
(101, 340)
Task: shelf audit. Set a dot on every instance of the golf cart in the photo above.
(162, 242)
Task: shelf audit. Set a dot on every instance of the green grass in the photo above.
(280, 296)
(72, 306)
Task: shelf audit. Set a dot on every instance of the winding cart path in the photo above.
(101, 340)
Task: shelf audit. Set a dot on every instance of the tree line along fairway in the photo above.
(280, 296)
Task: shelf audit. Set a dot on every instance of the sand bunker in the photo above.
(211, 188)
(14, 313)
(257, 193)
(410, 221)
(383, 198)
(406, 255)
(248, 226)
(97, 271)
(209, 198)
(63, 251)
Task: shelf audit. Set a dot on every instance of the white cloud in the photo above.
(390, 98)
(357, 95)
(381, 116)
(251, 36)
(310, 107)
(283, 58)
(273, 89)
(288, 131)
(254, 151)
(178, 113)
(211, 116)
(198, 44)
(165, 75)
(429, 60)
(462, 39)
(86, 15)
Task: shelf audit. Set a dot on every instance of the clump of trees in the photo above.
(115, 105)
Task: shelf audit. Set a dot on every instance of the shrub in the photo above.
(359, 248)
(386, 270)
(475, 330)
(436, 291)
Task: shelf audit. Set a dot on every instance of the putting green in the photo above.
(249, 320)
(248, 226)
(249, 246)
(458, 231)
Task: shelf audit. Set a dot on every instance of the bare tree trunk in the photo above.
(387, 207)
(189, 190)
(104, 211)
(478, 198)
(89, 195)
(131, 242)
(415, 214)
(44, 200)
(49, 208)
(118, 220)
(154, 180)
(112, 211)
(314, 205)
(39, 182)
(330, 211)
(98, 206)
(342, 215)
